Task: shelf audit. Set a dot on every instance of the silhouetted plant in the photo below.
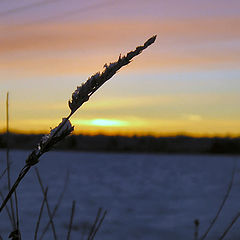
(64, 129)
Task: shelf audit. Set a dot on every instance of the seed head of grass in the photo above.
(83, 92)
(58, 133)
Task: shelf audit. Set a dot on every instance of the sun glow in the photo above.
(101, 122)
(107, 122)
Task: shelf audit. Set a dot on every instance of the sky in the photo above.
(187, 82)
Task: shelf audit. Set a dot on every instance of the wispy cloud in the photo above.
(67, 36)
(72, 48)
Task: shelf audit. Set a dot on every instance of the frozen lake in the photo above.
(147, 196)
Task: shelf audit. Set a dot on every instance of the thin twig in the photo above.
(222, 204)
(40, 214)
(48, 208)
(71, 220)
(45, 229)
(230, 226)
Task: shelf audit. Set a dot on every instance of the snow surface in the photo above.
(148, 196)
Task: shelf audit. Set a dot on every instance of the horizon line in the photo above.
(132, 134)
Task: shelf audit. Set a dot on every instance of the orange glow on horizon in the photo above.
(132, 133)
(140, 128)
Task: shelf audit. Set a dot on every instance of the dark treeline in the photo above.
(178, 144)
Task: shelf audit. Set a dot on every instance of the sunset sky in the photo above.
(187, 82)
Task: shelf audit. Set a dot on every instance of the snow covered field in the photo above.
(147, 196)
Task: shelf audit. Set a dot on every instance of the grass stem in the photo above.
(40, 214)
(8, 161)
(230, 226)
(45, 229)
(48, 208)
(221, 205)
(71, 220)
(97, 223)
(81, 95)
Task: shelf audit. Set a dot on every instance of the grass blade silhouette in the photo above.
(7, 210)
(96, 225)
(71, 220)
(45, 229)
(46, 201)
(8, 161)
(221, 205)
(40, 214)
(230, 226)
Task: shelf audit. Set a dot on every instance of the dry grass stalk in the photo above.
(230, 226)
(17, 213)
(40, 214)
(45, 229)
(8, 161)
(7, 210)
(196, 223)
(15, 235)
(46, 201)
(4, 171)
(222, 204)
(80, 95)
(94, 224)
(71, 220)
(97, 224)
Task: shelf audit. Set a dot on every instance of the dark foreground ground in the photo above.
(178, 144)
(147, 196)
